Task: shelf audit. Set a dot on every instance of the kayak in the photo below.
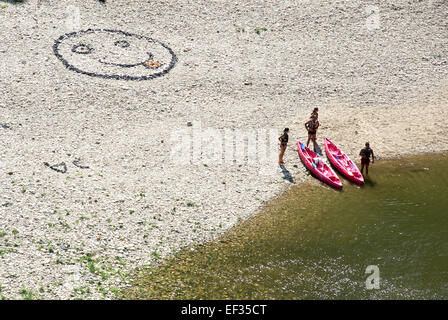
(318, 166)
(343, 163)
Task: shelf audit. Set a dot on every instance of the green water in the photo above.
(315, 243)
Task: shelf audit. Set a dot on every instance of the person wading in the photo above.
(283, 144)
(365, 154)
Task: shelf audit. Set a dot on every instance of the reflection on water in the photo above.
(315, 243)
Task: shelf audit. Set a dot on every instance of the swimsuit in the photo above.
(284, 140)
(366, 158)
(312, 126)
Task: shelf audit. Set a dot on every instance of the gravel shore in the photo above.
(90, 186)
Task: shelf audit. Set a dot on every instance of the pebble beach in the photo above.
(93, 96)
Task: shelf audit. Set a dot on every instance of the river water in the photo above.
(316, 243)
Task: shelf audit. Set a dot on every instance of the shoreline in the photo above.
(172, 275)
(384, 155)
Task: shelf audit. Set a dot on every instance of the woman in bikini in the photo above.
(283, 144)
(312, 125)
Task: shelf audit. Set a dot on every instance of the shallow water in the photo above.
(315, 243)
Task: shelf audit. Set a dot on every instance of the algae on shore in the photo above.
(315, 243)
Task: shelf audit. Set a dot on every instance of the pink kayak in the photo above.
(343, 163)
(318, 166)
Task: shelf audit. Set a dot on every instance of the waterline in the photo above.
(316, 243)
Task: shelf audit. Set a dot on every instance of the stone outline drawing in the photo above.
(113, 76)
(76, 163)
(56, 167)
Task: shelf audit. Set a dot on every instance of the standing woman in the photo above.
(283, 144)
(312, 125)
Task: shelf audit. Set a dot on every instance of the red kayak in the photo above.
(343, 163)
(318, 166)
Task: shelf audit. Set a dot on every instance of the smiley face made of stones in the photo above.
(114, 54)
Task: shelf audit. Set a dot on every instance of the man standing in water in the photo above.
(365, 154)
